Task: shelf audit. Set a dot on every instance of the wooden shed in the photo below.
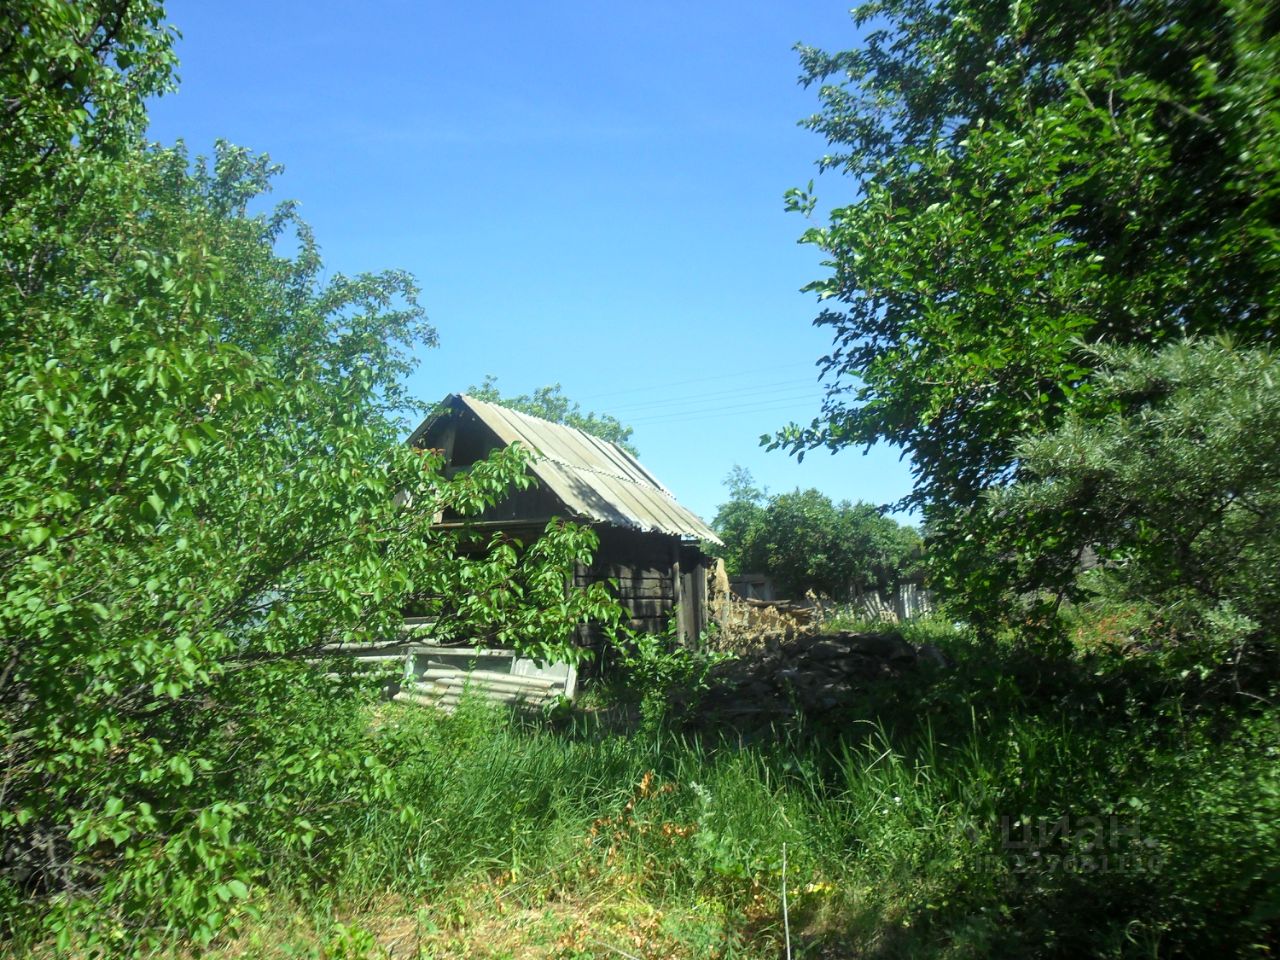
(649, 543)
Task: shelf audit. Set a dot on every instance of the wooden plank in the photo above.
(681, 626)
(647, 608)
(635, 576)
(490, 676)
(621, 571)
(449, 440)
(431, 649)
(520, 683)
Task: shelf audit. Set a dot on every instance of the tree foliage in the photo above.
(550, 403)
(201, 461)
(1031, 178)
(807, 542)
(1170, 475)
(75, 73)
(738, 520)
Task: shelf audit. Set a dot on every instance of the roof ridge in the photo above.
(534, 416)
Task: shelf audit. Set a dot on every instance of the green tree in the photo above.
(807, 542)
(738, 519)
(1170, 476)
(202, 470)
(75, 78)
(1031, 178)
(550, 403)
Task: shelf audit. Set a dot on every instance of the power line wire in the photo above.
(696, 412)
(680, 383)
(723, 416)
(755, 389)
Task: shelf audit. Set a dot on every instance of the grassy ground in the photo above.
(1022, 804)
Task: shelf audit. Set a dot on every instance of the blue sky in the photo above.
(589, 194)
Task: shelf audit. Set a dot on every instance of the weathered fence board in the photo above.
(439, 676)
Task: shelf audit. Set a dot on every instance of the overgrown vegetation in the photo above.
(205, 485)
(1031, 179)
(1025, 804)
(1061, 208)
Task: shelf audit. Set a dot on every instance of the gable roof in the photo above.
(594, 478)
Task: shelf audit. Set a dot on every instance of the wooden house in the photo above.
(649, 543)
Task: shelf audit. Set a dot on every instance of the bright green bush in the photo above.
(660, 674)
(807, 542)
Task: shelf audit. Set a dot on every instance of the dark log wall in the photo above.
(693, 593)
(643, 566)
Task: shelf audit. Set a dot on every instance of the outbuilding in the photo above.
(650, 545)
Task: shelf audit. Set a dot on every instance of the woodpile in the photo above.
(747, 625)
(810, 674)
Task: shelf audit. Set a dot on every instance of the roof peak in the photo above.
(592, 476)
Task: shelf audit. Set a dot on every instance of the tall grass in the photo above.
(1019, 805)
(991, 825)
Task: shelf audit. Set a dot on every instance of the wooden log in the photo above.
(521, 683)
(635, 574)
(420, 701)
(647, 590)
(360, 647)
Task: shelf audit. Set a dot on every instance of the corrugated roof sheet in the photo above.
(595, 479)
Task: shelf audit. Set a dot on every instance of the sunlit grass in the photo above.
(904, 820)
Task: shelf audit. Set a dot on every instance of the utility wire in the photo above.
(721, 412)
(681, 383)
(751, 390)
(670, 416)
